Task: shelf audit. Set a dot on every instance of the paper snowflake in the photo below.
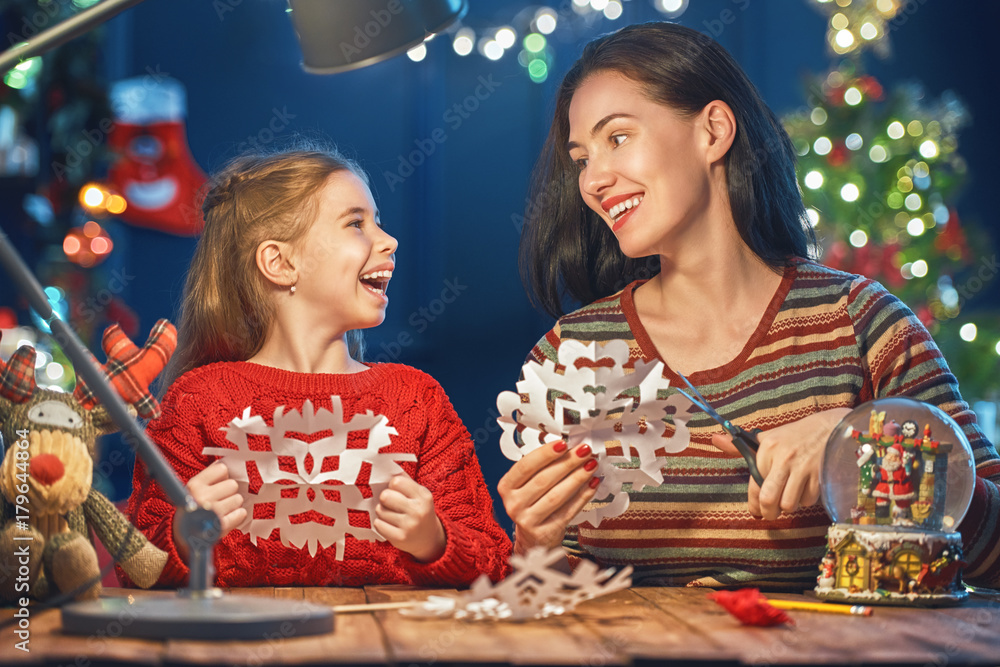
(293, 494)
(601, 412)
(533, 590)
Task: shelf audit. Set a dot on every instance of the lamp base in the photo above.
(226, 617)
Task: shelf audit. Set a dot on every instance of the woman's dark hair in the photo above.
(567, 250)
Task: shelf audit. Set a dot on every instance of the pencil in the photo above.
(856, 610)
(374, 606)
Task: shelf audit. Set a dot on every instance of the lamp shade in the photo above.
(341, 35)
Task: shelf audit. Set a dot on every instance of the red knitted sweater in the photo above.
(201, 403)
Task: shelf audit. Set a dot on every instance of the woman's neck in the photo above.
(712, 278)
(706, 302)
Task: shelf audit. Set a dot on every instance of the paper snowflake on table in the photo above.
(292, 494)
(605, 414)
(533, 590)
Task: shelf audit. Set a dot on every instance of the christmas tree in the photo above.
(54, 109)
(879, 172)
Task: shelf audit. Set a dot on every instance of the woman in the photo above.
(663, 160)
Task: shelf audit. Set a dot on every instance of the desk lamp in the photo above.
(335, 36)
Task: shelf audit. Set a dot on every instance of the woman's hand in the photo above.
(544, 490)
(405, 517)
(789, 458)
(212, 488)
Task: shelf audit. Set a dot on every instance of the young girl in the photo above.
(665, 174)
(292, 261)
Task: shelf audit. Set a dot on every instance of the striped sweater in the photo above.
(827, 340)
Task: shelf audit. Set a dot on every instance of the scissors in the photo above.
(746, 441)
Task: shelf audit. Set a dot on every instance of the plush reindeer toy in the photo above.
(50, 508)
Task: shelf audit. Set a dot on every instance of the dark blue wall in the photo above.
(456, 295)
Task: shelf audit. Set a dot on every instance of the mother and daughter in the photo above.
(661, 154)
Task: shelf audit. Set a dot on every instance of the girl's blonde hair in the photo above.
(227, 308)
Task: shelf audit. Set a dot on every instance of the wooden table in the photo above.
(635, 626)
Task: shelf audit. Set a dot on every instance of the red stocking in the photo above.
(154, 170)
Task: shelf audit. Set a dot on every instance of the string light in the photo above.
(849, 20)
(92, 195)
(417, 53)
(850, 192)
(464, 42)
(536, 56)
(545, 21)
(24, 74)
(814, 180)
(878, 154)
(88, 245)
(116, 205)
(613, 10)
(506, 37)
(672, 8)
(929, 149)
(491, 48)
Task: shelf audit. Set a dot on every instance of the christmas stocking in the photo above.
(154, 169)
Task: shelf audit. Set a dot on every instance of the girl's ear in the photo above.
(276, 262)
(719, 124)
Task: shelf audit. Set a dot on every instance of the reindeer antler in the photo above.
(17, 382)
(131, 370)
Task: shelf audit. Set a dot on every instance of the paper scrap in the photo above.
(533, 590)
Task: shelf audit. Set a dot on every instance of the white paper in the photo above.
(310, 535)
(533, 590)
(594, 393)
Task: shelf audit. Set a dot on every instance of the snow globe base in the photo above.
(891, 565)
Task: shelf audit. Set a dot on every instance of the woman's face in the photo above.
(643, 166)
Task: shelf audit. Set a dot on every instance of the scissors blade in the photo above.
(744, 441)
(703, 404)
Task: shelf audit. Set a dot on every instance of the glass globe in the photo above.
(898, 462)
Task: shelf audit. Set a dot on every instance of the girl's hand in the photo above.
(213, 489)
(789, 458)
(405, 517)
(544, 490)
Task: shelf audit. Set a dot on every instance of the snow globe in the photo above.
(897, 479)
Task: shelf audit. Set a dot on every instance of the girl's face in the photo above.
(642, 165)
(345, 258)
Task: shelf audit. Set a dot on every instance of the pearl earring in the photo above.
(292, 289)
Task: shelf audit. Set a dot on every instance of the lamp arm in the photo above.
(64, 31)
(86, 366)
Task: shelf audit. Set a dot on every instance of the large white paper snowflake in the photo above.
(310, 482)
(533, 590)
(605, 414)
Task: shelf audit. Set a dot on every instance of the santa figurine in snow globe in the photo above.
(897, 480)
